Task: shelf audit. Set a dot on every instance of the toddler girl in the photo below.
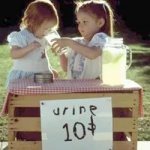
(29, 46)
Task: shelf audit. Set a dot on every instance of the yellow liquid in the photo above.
(114, 72)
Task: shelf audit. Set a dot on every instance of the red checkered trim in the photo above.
(23, 87)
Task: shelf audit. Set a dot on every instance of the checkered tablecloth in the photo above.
(23, 87)
(28, 87)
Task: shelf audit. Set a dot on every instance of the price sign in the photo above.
(77, 124)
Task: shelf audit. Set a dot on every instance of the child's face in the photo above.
(88, 25)
(44, 29)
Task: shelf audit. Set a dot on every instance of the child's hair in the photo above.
(100, 9)
(37, 12)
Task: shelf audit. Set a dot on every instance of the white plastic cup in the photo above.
(52, 35)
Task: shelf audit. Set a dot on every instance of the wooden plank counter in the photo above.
(23, 108)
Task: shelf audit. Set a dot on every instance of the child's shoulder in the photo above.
(18, 33)
(99, 39)
(18, 37)
(100, 35)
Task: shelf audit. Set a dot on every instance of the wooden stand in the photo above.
(125, 112)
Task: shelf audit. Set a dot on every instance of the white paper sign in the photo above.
(77, 124)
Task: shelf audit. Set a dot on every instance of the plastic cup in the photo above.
(52, 35)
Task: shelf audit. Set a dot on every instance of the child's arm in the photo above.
(55, 73)
(63, 62)
(89, 52)
(18, 52)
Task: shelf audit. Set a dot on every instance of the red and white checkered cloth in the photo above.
(23, 87)
(28, 87)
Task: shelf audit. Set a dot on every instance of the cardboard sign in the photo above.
(77, 124)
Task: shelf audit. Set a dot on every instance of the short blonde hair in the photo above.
(37, 12)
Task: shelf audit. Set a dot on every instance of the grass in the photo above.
(6, 63)
(139, 72)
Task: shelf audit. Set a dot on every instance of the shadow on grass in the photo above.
(141, 59)
(141, 67)
(147, 80)
(146, 44)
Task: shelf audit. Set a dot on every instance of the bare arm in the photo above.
(63, 62)
(18, 52)
(89, 52)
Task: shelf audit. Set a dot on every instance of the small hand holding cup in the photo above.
(61, 45)
(52, 35)
(52, 38)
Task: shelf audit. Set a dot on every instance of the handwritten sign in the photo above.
(77, 124)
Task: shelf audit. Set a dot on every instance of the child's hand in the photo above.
(59, 44)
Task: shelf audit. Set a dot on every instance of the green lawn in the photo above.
(139, 72)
